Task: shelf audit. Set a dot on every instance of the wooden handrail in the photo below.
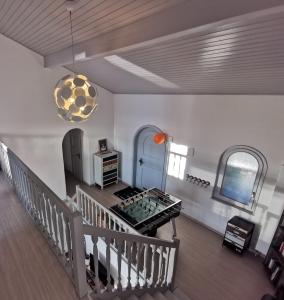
(90, 230)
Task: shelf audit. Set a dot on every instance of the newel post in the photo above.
(78, 252)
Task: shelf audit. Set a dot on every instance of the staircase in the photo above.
(135, 266)
(168, 295)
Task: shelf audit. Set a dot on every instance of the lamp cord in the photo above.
(72, 38)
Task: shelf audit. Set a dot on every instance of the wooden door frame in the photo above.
(135, 148)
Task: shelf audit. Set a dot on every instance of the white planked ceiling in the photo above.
(44, 26)
(244, 56)
(238, 55)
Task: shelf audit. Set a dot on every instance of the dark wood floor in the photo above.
(105, 197)
(206, 271)
(28, 268)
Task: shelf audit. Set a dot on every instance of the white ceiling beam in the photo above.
(171, 23)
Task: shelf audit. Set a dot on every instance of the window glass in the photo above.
(177, 160)
(179, 149)
(239, 177)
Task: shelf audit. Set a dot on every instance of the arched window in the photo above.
(240, 177)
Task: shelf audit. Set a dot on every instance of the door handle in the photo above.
(140, 161)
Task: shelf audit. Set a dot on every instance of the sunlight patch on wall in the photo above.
(139, 71)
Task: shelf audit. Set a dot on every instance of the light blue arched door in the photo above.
(150, 160)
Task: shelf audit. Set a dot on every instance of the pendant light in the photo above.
(75, 97)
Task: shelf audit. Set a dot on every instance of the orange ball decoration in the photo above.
(160, 138)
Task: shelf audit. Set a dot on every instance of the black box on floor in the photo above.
(238, 234)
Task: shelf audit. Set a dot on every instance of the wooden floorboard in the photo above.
(206, 270)
(105, 197)
(28, 268)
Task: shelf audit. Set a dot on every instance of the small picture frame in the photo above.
(103, 145)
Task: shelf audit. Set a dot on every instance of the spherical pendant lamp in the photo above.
(75, 98)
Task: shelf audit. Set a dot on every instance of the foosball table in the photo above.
(148, 210)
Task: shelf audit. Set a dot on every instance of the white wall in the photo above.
(30, 127)
(28, 121)
(210, 124)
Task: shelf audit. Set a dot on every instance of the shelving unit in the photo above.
(274, 260)
(106, 168)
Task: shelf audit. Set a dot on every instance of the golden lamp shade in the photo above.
(75, 98)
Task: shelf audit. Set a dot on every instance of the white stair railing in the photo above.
(98, 215)
(135, 262)
(149, 262)
(61, 227)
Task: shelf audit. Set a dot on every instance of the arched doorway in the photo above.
(72, 157)
(149, 159)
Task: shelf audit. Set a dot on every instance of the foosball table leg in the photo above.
(173, 220)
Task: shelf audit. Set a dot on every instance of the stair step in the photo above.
(132, 297)
(159, 296)
(180, 294)
(146, 297)
(170, 296)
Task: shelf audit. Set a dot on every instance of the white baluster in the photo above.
(87, 210)
(129, 264)
(44, 205)
(119, 245)
(41, 205)
(79, 200)
(61, 235)
(153, 266)
(138, 245)
(165, 283)
(54, 221)
(83, 206)
(146, 252)
(109, 222)
(105, 219)
(48, 206)
(96, 264)
(35, 200)
(22, 188)
(68, 239)
(91, 212)
(109, 286)
(38, 195)
(161, 266)
(96, 215)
